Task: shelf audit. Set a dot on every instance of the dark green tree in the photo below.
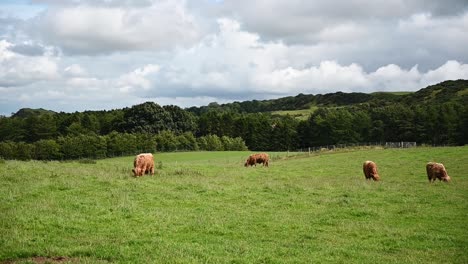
(47, 149)
(146, 118)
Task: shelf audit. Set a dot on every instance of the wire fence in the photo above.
(401, 144)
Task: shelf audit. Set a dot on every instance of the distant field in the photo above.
(302, 114)
(393, 93)
(206, 207)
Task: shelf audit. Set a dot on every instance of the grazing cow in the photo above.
(436, 171)
(253, 159)
(143, 164)
(370, 170)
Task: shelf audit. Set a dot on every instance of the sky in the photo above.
(76, 55)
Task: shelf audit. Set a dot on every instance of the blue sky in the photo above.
(21, 8)
(75, 55)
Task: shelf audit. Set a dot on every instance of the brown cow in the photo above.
(436, 171)
(250, 161)
(143, 164)
(370, 170)
(253, 159)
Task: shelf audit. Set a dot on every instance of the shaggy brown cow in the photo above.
(250, 161)
(253, 159)
(370, 170)
(436, 171)
(143, 164)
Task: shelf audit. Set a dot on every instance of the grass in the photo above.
(205, 207)
(394, 93)
(302, 114)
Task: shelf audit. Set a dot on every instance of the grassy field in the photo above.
(302, 114)
(205, 207)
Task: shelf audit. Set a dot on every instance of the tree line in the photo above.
(85, 146)
(434, 115)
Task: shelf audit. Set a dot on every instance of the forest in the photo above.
(435, 115)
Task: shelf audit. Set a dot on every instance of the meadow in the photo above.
(206, 207)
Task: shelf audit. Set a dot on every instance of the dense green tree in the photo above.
(40, 127)
(213, 143)
(187, 142)
(182, 121)
(90, 123)
(257, 131)
(47, 149)
(145, 143)
(7, 149)
(233, 143)
(210, 123)
(146, 118)
(13, 129)
(166, 141)
(119, 144)
(83, 146)
(23, 151)
(284, 134)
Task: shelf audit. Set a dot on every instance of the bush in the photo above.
(166, 141)
(47, 149)
(213, 143)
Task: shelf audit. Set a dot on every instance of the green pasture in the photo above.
(302, 114)
(206, 207)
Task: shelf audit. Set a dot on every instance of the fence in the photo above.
(357, 145)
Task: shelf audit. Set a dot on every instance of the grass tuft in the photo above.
(87, 161)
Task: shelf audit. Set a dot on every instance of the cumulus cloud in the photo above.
(370, 33)
(91, 29)
(239, 62)
(17, 69)
(451, 70)
(292, 19)
(137, 79)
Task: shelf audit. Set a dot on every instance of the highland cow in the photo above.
(436, 171)
(253, 159)
(250, 161)
(143, 164)
(370, 170)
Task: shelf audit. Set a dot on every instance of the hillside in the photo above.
(447, 91)
(28, 112)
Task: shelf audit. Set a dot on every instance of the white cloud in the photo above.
(343, 33)
(451, 70)
(138, 79)
(17, 69)
(328, 75)
(75, 70)
(239, 63)
(87, 29)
